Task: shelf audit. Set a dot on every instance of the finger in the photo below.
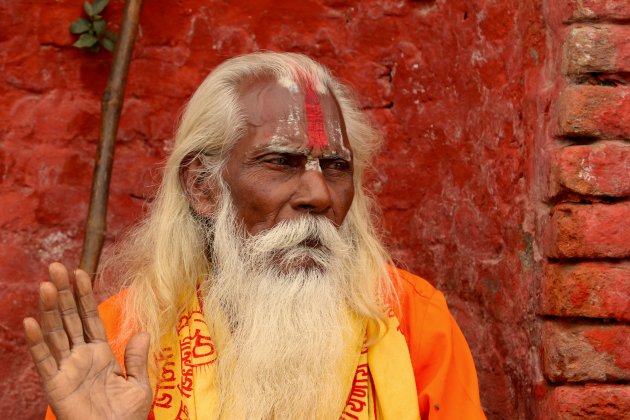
(67, 305)
(88, 309)
(52, 326)
(44, 361)
(136, 356)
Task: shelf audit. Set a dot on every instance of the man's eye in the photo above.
(335, 165)
(279, 161)
(282, 160)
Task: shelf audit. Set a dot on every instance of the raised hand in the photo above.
(82, 378)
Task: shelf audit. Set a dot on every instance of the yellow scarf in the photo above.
(383, 386)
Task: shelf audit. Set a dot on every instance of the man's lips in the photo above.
(311, 243)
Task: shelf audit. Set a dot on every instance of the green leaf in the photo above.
(79, 26)
(95, 48)
(99, 5)
(86, 41)
(111, 35)
(88, 9)
(108, 44)
(99, 27)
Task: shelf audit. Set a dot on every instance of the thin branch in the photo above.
(111, 107)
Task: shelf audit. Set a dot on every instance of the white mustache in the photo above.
(302, 232)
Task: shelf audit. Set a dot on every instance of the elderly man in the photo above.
(257, 283)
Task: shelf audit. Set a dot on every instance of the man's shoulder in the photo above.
(112, 306)
(420, 305)
(411, 285)
(443, 367)
(417, 297)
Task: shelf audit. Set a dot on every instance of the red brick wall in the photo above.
(467, 94)
(585, 289)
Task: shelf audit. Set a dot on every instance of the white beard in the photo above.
(285, 305)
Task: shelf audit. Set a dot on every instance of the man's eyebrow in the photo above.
(277, 148)
(336, 155)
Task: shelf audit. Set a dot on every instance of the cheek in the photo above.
(257, 203)
(345, 196)
(251, 196)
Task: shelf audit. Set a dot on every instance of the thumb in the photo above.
(136, 356)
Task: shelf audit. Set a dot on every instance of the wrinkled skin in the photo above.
(276, 171)
(81, 376)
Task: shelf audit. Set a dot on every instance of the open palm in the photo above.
(82, 378)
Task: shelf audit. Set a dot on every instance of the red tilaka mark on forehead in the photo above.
(315, 119)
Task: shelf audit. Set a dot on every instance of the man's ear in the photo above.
(202, 191)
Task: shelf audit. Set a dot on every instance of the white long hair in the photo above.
(164, 258)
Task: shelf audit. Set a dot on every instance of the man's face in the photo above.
(295, 158)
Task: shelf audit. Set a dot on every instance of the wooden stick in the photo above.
(111, 106)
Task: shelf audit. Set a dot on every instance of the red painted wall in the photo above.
(456, 86)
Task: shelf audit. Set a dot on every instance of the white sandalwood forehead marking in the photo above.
(335, 138)
(288, 127)
(312, 164)
(294, 126)
(295, 123)
(294, 120)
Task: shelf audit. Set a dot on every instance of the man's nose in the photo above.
(313, 194)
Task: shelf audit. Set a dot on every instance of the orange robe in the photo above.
(446, 380)
(444, 371)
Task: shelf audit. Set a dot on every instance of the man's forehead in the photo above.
(264, 101)
(267, 101)
(282, 113)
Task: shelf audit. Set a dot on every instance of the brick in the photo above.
(591, 289)
(599, 169)
(595, 402)
(588, 231)
(597, 49)
(585, 352)
(584, 10)
(594, 111)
